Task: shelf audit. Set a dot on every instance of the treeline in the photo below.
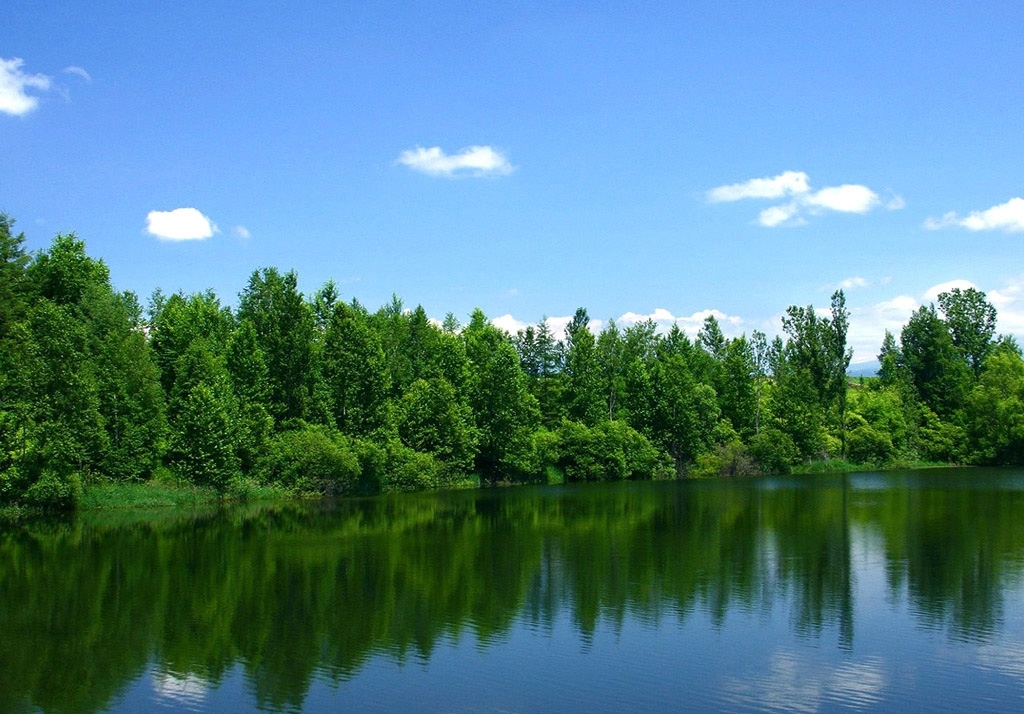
(315, 395)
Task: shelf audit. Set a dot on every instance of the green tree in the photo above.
(250, 384)
(541, 359)
(203, 419)
(284, 326)
(178, 320)
(355, 371)
(938, 372)
(971, 320)
(583, 397)
(14, 286)
(995, 409)
(431, 419)
(504, 410)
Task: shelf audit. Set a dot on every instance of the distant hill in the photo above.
(864, 369)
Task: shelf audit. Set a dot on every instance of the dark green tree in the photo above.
(284, 326)
(355, 371)
(583, 395)
(939, 373)
(541, 358)
(504, 410)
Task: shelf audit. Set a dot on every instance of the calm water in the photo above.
(890, 592)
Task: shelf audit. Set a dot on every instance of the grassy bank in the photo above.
(832, 466)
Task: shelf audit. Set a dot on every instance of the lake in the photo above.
(874, 592)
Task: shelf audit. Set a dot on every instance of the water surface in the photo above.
(870, 592)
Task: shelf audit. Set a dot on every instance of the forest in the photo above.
(316, 396)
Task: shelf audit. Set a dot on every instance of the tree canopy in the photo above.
(319, 395)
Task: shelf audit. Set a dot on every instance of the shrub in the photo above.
(311, 459)
(55, 491)
(774, 451)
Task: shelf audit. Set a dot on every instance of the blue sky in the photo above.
(637, 159)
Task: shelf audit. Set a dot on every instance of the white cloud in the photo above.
(509, 324)
(1007, 217)
(690, 324)
(1009, 304)
(14, 98)
(855, 282)
(780, 215)
(474, 161)
(180, 224)
(845, 198)
(241, 232)
(896, 203)
(932, 294)
(868, 325)
(788, 183)
(78, 71)
(848, 198)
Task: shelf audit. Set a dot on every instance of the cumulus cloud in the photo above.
(509, 324)
(848, 198)
(1007, 217)
(1009, 304)
(472, 161)
(556, 325)
(845, 198)
(932, 294)
(241, 232)
(868, 323)
(788, 183)
(780, 215)
(180, 224)
(731, 325)
(14, 87)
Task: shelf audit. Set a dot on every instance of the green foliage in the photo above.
(203, 443)
(504, 410)
(431, 420)
(995, 410)
(311, 459)
(284, 327)
(937, 370)
(774, 451)
(728, 459)
(972, 324)
(610, 451)
(354, 371)
(582, 395)
(320, 396)
(867, 445)
(409, 470)
(55, 491)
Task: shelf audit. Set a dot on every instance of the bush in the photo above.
(55, 491)
(774, 451)
(730, 459)
(867, 445)
(610, 451)
(409, 470)
(312, 460)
